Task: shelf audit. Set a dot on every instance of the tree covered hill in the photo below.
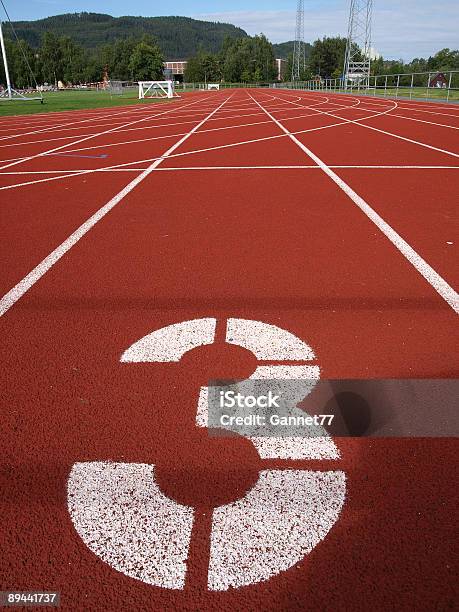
(178, 37)
(284, 50)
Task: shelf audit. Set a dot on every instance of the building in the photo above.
(438, 80)
(176, 69)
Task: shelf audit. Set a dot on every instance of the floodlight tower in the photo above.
(357, 62)
(299, 50)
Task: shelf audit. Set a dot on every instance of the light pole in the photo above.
(5, 64)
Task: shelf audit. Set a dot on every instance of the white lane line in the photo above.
(44, 153)
(145, 128)
(63, 174)
(135, 141)
(302, 167)
(86, 115)
(45, 180)
(442, 125)
(161, 125)
(70, 173)
(64, 126)
(434, 279)
(420, 107)
(366, 103)
(375, 129)
(15, 294)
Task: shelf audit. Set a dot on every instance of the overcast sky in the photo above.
(402, 28)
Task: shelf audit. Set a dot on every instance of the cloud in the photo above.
(400, 29)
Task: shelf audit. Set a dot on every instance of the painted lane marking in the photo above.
(170, 343)
(136, 141)
(398, 136)
(450, 296)
(110, 131)
(152, 138)
(52, 127)
(267, 342)
(122, 516)
(71, 173)
(185, 169)
(15, 294)
(280, 521)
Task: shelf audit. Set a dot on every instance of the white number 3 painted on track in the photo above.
(123, 517)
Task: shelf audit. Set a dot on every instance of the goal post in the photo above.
(157, 89)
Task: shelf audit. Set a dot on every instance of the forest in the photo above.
(178, 37)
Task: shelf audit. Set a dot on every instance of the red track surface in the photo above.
(213, 232)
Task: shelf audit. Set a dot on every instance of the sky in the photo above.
(401, 29)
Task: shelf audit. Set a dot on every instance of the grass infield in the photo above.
(73, 100)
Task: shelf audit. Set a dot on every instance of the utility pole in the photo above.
(5, 64)
(299, 51)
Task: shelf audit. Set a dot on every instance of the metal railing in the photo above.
(434, 85)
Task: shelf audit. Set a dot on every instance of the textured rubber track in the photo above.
(283, 246)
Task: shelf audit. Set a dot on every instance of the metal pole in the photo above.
(5, 64)
(449, 86)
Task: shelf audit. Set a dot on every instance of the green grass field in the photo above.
(73, 100)
(417, 93)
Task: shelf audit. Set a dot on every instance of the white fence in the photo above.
(418, 85)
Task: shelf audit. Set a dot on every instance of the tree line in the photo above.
(59, 58)
(326, 59)
(248, 59)
(242, 60)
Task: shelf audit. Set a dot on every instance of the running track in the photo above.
(332, 217)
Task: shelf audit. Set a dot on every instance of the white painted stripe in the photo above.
(280, 521)
(161, 125)
(296, 448)
(287, 372)
(69, 173)
(315, 444)
(267, 342)
(299, 167)
(110, 131)
(385, 132)
(236, 144)
(61, 127)
(438, 283)
(172, 342)
(9, 299)
(121, 515)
